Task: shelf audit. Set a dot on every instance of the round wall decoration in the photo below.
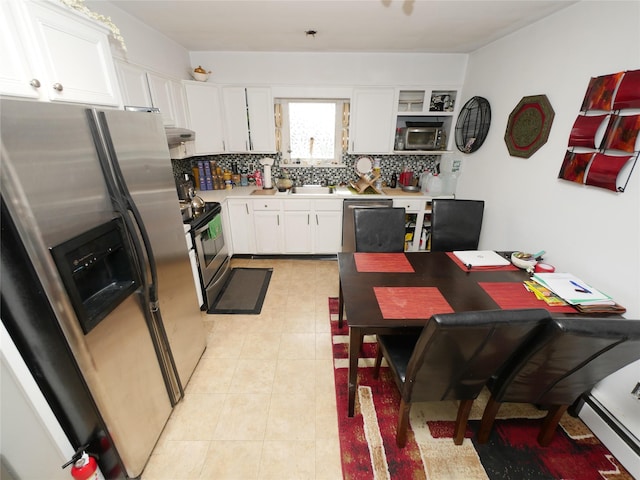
(473, 124)
(529, 126)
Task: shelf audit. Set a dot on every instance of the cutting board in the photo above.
(396, 192)
(260, 191)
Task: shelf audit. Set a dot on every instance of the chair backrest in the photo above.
(379, 229)
(457, 353)
(455, 224)
(567, 359)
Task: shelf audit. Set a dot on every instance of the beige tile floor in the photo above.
(261, 403)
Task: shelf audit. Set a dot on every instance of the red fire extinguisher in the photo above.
(84, 466)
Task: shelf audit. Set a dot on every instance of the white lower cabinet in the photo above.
(327, 226)
(241, 226)
(268, 224)
(298, 227)
(313, 226)
(287, 226)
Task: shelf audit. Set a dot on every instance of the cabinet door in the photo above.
(372, 121)
(205, 117)
(179, 104)
(76, 57)
(328, 226)
(241, 226)
(236, 119)
(162, 96)
(268, 228)
(18, 75)
(297, 237)
(261, 120)
(134, 85)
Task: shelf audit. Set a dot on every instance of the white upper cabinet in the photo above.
(18, 74)
(134, 85)
(236, 119)
(205, 116)
(436, 107)
(249, 122)
(261, 120)
(372, 120)
(167, 96)
(54, 54)
(141, 88)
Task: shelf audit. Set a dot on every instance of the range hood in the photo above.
(176, 136)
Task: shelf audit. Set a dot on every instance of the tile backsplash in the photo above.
(339, 174)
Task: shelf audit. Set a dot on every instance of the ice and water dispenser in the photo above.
(98, 270)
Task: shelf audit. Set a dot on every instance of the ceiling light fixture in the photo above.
(311, 33)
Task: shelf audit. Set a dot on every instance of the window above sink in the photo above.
(312, 133)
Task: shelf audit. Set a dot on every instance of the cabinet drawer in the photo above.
(329, 205)
(266, 205)
(413, 205)
(297, 205)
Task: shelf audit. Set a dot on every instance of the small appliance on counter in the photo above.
(191, 205)
(267, 163)
(421, 136)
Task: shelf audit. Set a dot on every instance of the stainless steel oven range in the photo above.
(211, 253)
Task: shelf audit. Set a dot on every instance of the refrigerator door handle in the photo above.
(126, 207)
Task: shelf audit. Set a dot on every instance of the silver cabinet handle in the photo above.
(317, 220)
(35, 83)
(57, 87)
(308, 218)
(246, 207)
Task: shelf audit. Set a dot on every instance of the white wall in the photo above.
(29, 427)
(332, 69)
(591, 232)
(145, 46)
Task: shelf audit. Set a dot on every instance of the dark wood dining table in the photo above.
(397, 293)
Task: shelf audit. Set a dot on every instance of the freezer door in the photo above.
(142, 153)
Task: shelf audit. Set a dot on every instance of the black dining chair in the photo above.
(453, 357)
(565, 361)
(455, 224)
(377, 230)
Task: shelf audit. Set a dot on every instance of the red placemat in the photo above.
(513, 295)
(503, 268)
(382, 262)
(410, 302)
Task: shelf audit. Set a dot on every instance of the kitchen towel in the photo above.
(382, 263)
(410, 302)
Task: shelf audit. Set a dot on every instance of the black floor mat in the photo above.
(244, 292)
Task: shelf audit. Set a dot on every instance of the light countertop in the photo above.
(340, 192)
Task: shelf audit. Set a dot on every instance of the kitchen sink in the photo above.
(312, 190)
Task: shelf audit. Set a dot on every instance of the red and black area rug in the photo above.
(369, 451)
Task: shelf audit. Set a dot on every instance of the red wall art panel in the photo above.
(603, 144)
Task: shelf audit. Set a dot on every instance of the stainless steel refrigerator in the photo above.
(93, 199)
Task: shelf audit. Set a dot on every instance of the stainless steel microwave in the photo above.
(423, 138)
